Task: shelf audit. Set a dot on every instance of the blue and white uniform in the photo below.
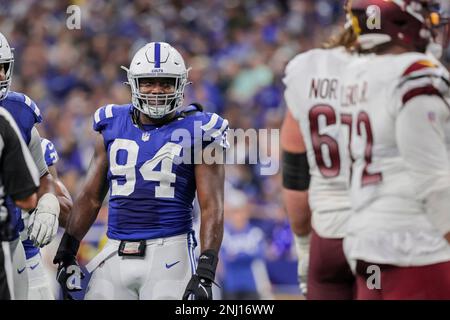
(39, 287)
(26, 114)
(50, 154)
(152, 187)
(51, 157)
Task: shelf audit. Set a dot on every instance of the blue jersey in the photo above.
(151, 179)
(26, 114)
(48, 149)
(51, 157)
(24, 111)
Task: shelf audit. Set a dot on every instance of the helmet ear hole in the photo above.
(7, 60)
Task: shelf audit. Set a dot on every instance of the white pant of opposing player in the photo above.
(162, 274)
(20, 272)
(39, 287)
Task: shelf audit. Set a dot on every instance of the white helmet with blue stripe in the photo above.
(7, 59)
(157, 59)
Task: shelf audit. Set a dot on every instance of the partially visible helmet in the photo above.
(7, 59)
(157, 59)
(409, 23)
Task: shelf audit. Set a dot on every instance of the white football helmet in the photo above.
(157, 59)
(7, 59)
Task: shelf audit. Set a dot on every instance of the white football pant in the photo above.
(39, 287)
(20, 272)
(162, 274)
(7, 260)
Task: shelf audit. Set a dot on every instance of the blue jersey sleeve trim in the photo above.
(101, 116)
(216, 129)
(50, 154)
(31, 105)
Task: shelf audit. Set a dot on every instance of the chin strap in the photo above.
(197, 107)
(135, 118)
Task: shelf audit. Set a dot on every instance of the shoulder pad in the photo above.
(424, 77)
(299, 60)
(305, 56)
(24, 100)
(193, 108)
(215, 126)
(308, 60)
(420, 66)
(196, 106)
(105, 114)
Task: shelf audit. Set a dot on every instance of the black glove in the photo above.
(199, 287)
(69, 273)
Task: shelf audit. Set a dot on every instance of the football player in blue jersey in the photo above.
(39, 287)
(42, 224)
(142, 157)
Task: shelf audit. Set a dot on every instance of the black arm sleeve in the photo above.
(17, 169)
(295, 171)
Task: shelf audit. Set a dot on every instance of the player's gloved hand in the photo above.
(302, 248)
(43, 222)
(199, 287)
(69, 273)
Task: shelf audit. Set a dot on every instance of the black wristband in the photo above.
(68, 247)
(207, 264)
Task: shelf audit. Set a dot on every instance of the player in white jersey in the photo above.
(398, 238)
(316, 168)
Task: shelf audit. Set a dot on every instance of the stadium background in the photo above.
(237, 51)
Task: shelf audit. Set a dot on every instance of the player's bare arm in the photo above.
(51, 184)
(295, 200)
(83, 215)
(49, 180)
(210, 192)
(210, 181)
(64, 198)
(295, 192)
(46, 185)
(28, 203)
(43, 222)
(89, 201)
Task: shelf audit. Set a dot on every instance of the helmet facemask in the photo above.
(157, 105)
(5, 84)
